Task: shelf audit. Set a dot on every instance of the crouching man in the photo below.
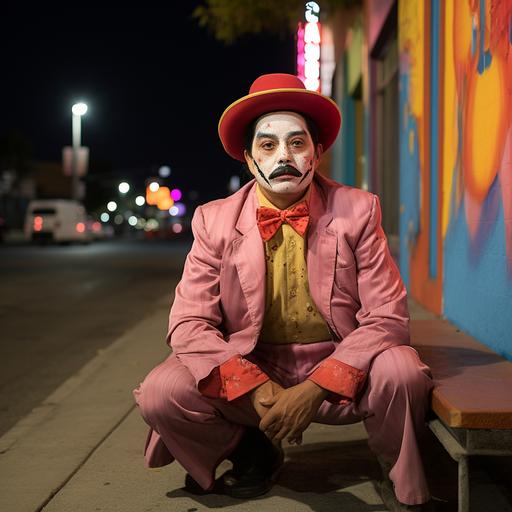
(290, 310)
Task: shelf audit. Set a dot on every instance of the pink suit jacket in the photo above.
(220, 301)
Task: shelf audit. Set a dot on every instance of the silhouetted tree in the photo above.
(230, 19)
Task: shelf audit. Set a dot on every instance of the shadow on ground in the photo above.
(325, 477)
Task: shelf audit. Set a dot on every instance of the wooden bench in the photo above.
(472, 398)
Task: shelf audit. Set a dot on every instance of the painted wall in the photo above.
(477, 170)
(455, 141)
(418, 199)
(456, 162)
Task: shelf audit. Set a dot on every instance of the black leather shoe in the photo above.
(193, 487)
(392, 504)
(256, 465)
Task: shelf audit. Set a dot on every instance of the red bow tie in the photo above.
(270, 220)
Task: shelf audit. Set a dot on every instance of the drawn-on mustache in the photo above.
(285, 169)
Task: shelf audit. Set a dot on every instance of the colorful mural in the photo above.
(418, 204)
(477, 169)
(456, 162)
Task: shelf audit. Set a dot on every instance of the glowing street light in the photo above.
(154, 186)
(164, 171)
(124, 187)
(139, 200)
(78, 110)
(111, 206)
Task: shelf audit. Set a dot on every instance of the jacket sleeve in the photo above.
(383, 317)
(232, 379)
(195, 319)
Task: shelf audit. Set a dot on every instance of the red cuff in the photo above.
(343, 380)
(232, 379)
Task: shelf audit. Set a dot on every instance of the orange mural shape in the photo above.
(462, 33)
(485, 120)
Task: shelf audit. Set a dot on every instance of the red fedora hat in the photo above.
(276, 92)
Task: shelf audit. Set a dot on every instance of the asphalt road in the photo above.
(60, 305)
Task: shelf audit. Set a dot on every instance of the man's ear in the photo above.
(249, 162)
(319, 151)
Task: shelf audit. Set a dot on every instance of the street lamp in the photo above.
(124, 187)
(78, 110)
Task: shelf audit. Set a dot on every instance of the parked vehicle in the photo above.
(56, 220)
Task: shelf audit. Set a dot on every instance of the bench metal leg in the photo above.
(463, 484)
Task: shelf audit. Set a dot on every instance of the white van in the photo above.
(56, 220)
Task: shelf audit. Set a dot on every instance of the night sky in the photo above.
(156, 84)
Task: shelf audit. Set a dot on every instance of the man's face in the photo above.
(283, 157)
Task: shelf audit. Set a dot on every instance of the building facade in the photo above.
(425, 88)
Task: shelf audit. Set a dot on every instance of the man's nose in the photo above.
(284, 154)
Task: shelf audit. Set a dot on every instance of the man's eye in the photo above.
(297, 143)
(267, 145)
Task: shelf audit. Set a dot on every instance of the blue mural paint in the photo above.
(434, 141)
(478, 298)
(484, 58)
(489, 215)
(409, 181)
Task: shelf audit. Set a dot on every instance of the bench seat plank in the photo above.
(473, 383)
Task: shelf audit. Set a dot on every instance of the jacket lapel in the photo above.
(249, 255)
(321, 252)
(249, 259)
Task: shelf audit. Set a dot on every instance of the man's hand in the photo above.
(264, 393)
(291, 411)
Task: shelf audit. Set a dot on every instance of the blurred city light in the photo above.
(165, 203)
(139, 200)
(80, 227)
(164, 171)
(177, 228)
(104, 217)
(132, 220)
(174, 211)
(140, 223)
(181, 208)
(176, 194)
(234, 183)
(79, 109)
(151, 196)
(118, 219)
(124, 187)
(154, 186)
(151, 225)
(111, 206)
(38, 223)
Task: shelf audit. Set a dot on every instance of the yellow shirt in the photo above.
(290, 313)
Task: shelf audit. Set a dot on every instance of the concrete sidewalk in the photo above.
(81, 450)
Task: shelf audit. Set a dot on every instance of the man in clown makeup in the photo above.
(290, 310)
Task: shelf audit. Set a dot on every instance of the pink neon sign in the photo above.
(308, 54)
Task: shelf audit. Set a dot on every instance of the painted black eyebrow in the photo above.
(294, 134)
(261, 135)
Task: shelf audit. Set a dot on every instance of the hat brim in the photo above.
(235, 119)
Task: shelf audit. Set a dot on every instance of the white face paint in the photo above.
(283, 157)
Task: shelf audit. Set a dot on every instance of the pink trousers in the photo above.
(200, 432)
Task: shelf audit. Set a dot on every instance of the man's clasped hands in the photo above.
(286, 413)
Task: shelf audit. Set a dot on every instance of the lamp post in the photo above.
(78, 110)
